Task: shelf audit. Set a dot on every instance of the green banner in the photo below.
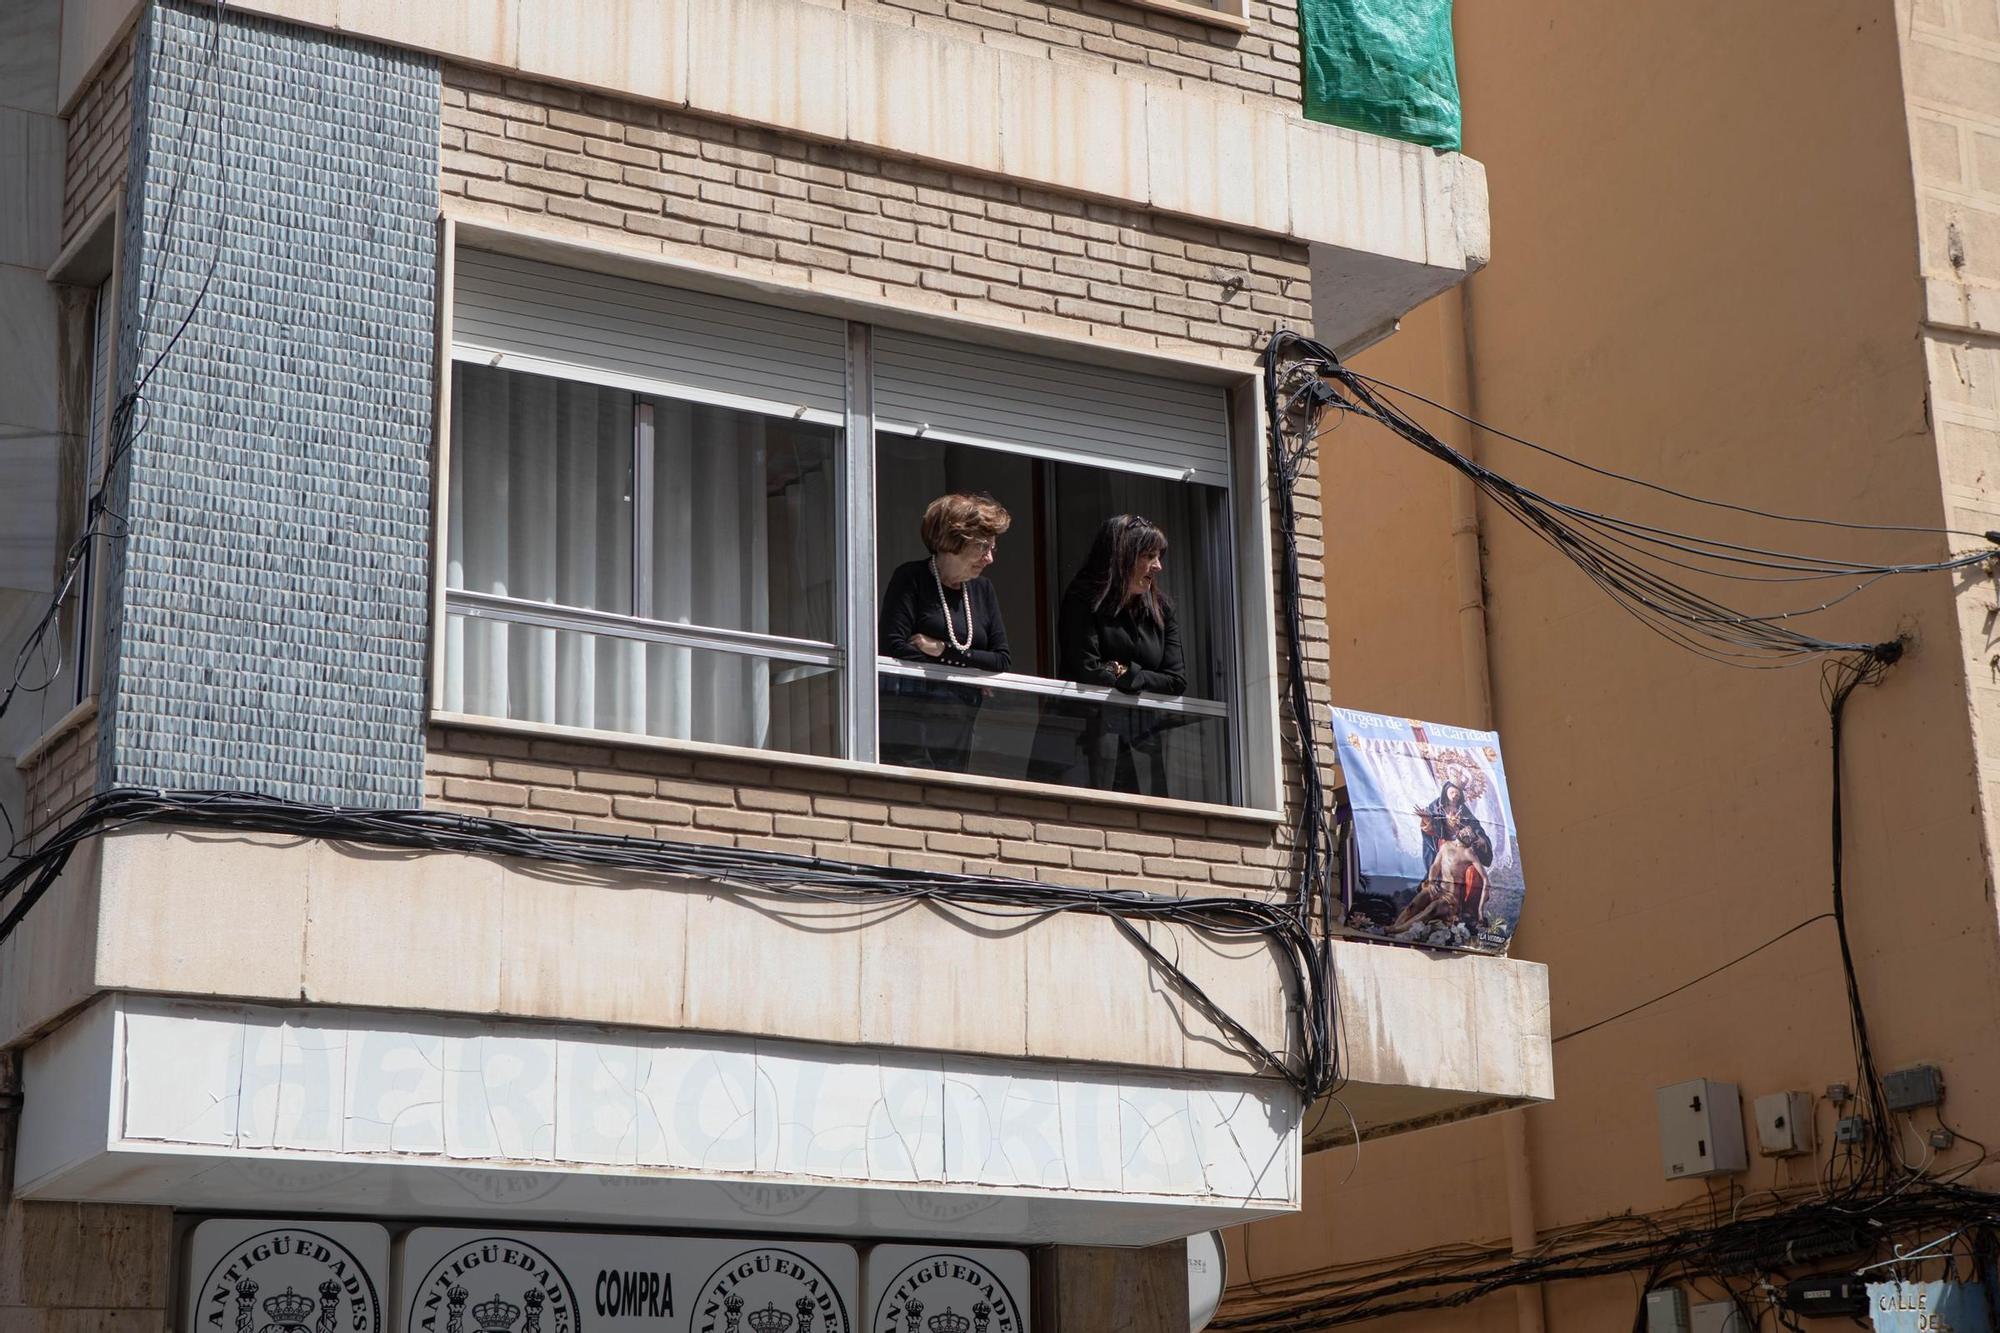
(1382, 66)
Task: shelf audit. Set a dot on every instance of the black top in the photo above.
(910, 606)
(1093, 639)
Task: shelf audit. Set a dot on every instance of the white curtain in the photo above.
(542, 509)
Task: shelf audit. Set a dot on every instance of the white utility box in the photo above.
(1666, 1310)
(1701, 1129)
(1784, 1123)
(1717, 1316)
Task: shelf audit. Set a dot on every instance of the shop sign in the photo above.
(930, 1289)
(475, 1280)
(263, 1276)
(1934, 1307)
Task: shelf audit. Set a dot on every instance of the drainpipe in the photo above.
(1469, 585)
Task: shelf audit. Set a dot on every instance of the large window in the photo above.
(659, 524)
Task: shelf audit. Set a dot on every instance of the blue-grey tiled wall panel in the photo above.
(269, 605)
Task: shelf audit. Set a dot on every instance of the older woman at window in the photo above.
(1117, 628)
(940, 609)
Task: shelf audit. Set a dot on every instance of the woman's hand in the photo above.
(926, 645)
(1118, 669)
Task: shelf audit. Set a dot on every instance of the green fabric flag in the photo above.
(1382, 66)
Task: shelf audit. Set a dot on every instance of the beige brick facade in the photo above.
(1261, 64)
(61, 771)
(856, 224)
(100, 140)
(875, 819)
(616, 173)
(1951, 69)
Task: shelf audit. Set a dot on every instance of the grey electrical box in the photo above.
(1908, 1089)
(1784, 1123)
(1701, 1129)
(1717, 1317)
(1667, 1310)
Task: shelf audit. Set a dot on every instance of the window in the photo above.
(625, 562)
(654, 528)
(79, 613)
(1030, 722)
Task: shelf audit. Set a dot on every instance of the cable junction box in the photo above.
(1909, 1089)
(1784, 1123)
(1833, 1294)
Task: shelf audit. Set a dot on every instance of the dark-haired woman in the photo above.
(1117, 628)
(941, 609)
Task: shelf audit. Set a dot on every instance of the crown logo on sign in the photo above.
(770, 1319)
(290, 1308)
(496, 1315)
(948, 1322)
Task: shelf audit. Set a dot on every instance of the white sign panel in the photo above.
(933, 1289)
(257, 1275)
(485, 1281)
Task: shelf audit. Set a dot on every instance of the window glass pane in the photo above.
(576, 679)
(541, 489)
(910, 473)
(743, 521)
(998, 732)
(1197, 560)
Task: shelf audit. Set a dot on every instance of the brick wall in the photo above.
(1951, 81)
(1136, 43)
(100, 137)
(648, 793)
(857, 224)
(63, 771)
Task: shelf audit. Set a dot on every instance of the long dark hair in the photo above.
(1121, 543)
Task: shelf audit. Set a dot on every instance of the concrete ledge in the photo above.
(1429, 1037)
(288, 920)
(1397, 222)
(283, 920)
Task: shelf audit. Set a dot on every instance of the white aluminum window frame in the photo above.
(1252, 684)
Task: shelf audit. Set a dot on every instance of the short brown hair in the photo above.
(952, 521)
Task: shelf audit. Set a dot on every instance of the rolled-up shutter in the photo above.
(556, 320)
(1052, 409)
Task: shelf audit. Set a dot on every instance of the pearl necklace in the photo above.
(965, 599)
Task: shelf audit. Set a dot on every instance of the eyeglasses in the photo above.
(983, 546)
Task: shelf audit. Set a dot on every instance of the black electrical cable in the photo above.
(1628, 559)
(1789, 1236)
(1694, 981)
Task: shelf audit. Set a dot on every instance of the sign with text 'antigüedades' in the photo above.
(264, 1275)
(936, 1289)
(471, 1280)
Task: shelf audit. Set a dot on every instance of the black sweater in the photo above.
(1092, 639)
(910, 606)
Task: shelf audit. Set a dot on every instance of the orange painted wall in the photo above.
(1706, 272)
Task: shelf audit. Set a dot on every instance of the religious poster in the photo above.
(1433, 858)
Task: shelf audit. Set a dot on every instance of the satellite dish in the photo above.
(1208, 1274)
